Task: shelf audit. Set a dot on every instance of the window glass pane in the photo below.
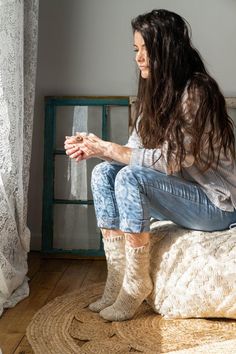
(72, 119)
(72, 180)
(95, 120)
(75, 227)
(118, 123)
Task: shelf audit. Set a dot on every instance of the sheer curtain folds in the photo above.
(18, 51)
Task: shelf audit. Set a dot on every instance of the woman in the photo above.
(179, 163)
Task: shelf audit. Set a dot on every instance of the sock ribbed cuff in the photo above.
(141, 249)
(111, 239)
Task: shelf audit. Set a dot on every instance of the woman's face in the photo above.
(141, 55)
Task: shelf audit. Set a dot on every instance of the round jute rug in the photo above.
(67, 326)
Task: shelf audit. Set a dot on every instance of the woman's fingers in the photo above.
(70, 142)
(71, 149)
(79, 137)
(76, 154)
(82, 146)
(71, 146)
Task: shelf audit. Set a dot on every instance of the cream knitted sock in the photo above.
(137, 285)
(114, 247)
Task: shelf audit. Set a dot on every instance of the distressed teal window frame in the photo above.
(50, 152)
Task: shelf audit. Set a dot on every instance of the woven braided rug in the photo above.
(67, 326)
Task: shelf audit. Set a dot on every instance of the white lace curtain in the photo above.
(18, 50)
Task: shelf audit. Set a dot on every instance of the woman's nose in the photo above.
(139, 57)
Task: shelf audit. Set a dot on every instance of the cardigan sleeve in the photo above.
(153, 158)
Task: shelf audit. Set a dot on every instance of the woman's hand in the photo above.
(83, 146)
(72, 148)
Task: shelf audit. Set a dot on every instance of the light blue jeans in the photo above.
(126, 197)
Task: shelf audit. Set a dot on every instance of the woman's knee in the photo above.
(104, 174)
(129, 175)
(100, 172)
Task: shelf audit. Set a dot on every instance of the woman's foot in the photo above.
(114, 247)
(137, 285)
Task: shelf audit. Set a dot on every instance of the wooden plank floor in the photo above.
(48, 278)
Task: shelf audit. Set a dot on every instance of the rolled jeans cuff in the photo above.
(134, 225)
(108, 223)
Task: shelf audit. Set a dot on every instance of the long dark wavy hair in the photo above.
(175, 68)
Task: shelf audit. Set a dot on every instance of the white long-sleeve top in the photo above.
(219, 183)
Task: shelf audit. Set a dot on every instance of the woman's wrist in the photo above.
(107, 150)
(116, 152)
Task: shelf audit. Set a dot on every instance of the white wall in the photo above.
(85, 48)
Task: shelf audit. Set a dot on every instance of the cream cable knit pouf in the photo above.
(194, 272)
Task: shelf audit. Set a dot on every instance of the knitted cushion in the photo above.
(194, 272)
